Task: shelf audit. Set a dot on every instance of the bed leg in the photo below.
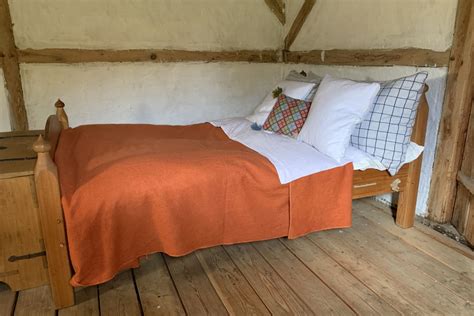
(407, 198)
(52, 224)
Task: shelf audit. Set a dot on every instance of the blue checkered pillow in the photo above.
(386, 130)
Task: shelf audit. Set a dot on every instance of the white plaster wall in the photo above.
(172, 93)
(122, 24)
(436, 82)
(4, 112)
(362, 24)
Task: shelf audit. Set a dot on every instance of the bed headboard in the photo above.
(54, 125)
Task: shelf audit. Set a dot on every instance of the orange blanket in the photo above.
(132, 190)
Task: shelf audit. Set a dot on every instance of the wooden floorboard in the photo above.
(118, 297)
(238, 296)
(408, 256)
(156, 289)
(7, 300)
(361, 299)
(320, 298)
(196, 291)
(373, 268)
(419, 228)
(422, 242)
(87, 303)
(36, 302)
(421, 290)
(271, 288)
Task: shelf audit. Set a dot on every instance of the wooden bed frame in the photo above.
(365, 184)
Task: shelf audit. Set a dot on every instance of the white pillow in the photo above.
(339, 105)
(293, 89)
(364, 161)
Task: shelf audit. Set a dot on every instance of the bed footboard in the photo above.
(50, 209)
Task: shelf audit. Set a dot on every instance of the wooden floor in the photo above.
(373, 268)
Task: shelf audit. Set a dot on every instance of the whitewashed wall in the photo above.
(4, 112)
(180, 24)
(171, 93)
(182, 93)
(363, 24)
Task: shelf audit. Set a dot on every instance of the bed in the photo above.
(55, 199)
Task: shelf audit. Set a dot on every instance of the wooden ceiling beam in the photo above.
(455, 116)
(298, 23)
(278, 8)
(11, 70)
(68, 56)
(372, 57)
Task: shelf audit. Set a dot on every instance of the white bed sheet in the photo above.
(294, 159)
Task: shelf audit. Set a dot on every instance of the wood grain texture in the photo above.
(11, 70)
(298, 23)
(437, 250)
(277, 296)
(388, 287)
(235, 292)
(7, 300)
(36, 302)
(118, 297)
(317, 295)
(372, 57)
(70, 56)
(361, 299)
(463, 214)
(155, 287)
(454, 117)
(20, 234)
(412, 280)
(195, 289)
(408, 256)
(87, 303)
(52, 224)
(407, 198)
(278, 8)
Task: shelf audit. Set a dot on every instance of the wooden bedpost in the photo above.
(407, 198)
(61, 114)
(52, 223)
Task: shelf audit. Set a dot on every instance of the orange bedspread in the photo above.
(132, 190)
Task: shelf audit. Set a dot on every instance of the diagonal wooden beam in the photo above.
(298, 22)
(278, 8)
(454, 117)
(11, 70)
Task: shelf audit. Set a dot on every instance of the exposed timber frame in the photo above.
(372, 57)
(295, 28)
(70, 56)
(455, 116)
(11, 70)
(278, 8)
(11, 57)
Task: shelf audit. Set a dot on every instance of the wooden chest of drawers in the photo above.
(22, 258)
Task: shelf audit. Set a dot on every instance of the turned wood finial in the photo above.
(61, 114)
(59, 104)
(41, 145)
